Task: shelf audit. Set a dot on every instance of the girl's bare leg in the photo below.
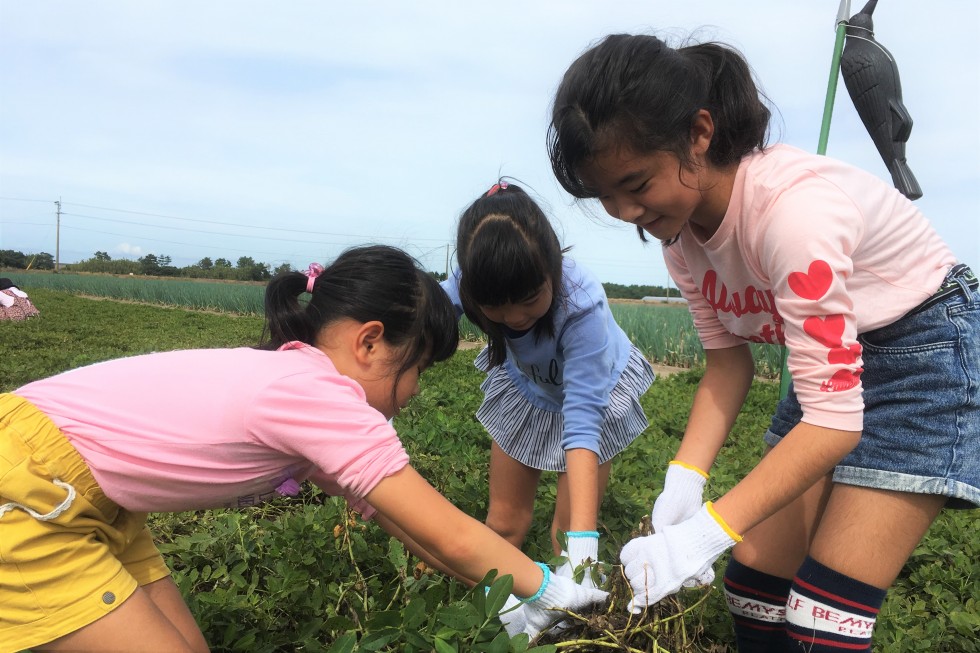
(778, 545)
(155, 618)
(512, 489)
(869, 534)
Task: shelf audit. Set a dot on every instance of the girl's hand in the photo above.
(583, 550)
(559, 595)
(681, 499)
(512, 616)
(657, 565)
(681, 496)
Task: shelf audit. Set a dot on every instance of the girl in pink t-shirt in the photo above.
(881, 426)
(86, 453)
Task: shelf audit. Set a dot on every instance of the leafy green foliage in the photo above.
(305, 575)
(71, 332)
(301, 575)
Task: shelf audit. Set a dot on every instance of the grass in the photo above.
(299, 575)
(664, 333)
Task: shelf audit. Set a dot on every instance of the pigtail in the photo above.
(373, 282)
(286, 318)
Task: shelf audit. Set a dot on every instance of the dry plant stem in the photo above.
(688, 609)
(394, 596)
(353, 559)
(614, 645)
(642, 633)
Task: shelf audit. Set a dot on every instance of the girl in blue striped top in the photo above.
(563, 380)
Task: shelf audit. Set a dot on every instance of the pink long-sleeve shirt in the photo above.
(206, 428)
(811, 253)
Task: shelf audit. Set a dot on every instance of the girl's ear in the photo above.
(369, 342)
(702, 131)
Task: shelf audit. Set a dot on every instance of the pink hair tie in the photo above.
(493, 189)
(312, 273)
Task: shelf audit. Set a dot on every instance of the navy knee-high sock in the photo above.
(757, 602)
(828, 612)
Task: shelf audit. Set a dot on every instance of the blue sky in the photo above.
(288, 131)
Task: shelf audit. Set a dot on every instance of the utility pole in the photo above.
(57, 239)
(448, 245)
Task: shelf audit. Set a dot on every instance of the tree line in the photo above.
(244, 269)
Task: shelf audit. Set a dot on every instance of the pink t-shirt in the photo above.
(207, 428)
(811, 252)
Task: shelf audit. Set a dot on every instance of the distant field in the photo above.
(240, 298)
(664, 333)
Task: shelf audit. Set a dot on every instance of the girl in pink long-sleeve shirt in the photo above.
(881, 427)
(84, 455)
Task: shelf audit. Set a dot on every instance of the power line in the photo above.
(404, 242)
(174, 242)
(26, 224)
(22, 199)
(223, 233)
(229, 224)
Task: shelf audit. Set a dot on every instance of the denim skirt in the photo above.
(921, 385)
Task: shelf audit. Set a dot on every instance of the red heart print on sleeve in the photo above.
(842, 380)
(844, 356)
(828, 332)
(814, 283)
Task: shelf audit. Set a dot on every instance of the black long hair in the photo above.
(636, 92)
(374, 282)
(506, 249)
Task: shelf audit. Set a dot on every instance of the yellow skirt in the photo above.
(68, 555)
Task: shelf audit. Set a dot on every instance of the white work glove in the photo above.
(512, 616)
(680, 499)
(556, 595)
(583, 549)
(657, 565)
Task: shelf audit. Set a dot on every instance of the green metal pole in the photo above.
(843, 13)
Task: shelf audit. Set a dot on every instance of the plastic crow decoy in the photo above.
(871, 77)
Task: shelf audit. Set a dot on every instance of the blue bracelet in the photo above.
(544, 583)
(594, 534)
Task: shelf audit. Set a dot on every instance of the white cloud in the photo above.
(129, 251)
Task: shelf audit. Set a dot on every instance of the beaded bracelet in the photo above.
(544, 583)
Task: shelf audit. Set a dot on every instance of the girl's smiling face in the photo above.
(658, 192)
(652, 191)
(522, 315)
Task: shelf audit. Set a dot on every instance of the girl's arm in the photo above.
(804, 456)
(719, 397)
(444, 534)
(413, 546)
(582, 467)
(727, 378)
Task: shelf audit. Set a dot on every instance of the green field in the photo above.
(297, 575)
(664, 333)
